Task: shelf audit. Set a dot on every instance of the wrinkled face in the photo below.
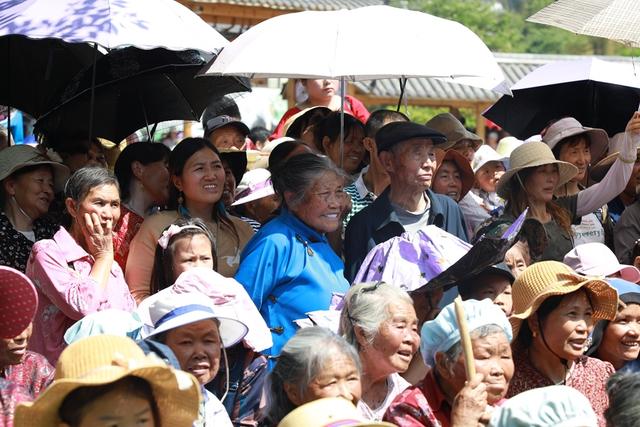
(320, 89)
(33, 191)
(566, 328)
(448, 181)
(396, 342)
(197, 348)
(155, 180)
(488, 176)
(227, 137)
(228, 194)
(578, 154)
(495, 287)
(103, 200)
(492, 358)
(339, 377)
(353, 150)
(190, 252)
(621, 338)
(517, 258)
(411, 164)
(542, 182)
(465, 147)
(262, 209)
(12, 350)
(119, 407)
(202, 179)
(323, 203)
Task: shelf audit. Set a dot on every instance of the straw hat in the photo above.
(453, 129)
(18, 302)
(21, 156)
(530, 155)
(466, 173)
(328, 412)
(105, 359)
(567, 127)
(600, 169)
(550, 278)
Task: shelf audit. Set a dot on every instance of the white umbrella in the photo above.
(617, 20)
(368, 43)
(145, 24)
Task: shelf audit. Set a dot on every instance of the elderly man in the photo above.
(226, 132)
(406, 151)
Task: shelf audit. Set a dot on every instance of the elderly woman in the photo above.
(197, 184)
(191, 326)
(618, 341)
(554, 309)
(289, 268)
(75, 272)
(535, 176)
(453, 176)
(30, 178)
(379, 320)
(143, 176)
(327, 138)
(314, 364)
(445, 397)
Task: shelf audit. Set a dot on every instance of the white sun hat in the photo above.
(255, 184)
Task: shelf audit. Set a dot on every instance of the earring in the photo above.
(534, 334)
(180, 200)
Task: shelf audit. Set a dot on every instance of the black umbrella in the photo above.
(135, 88)
(597, 93)
(34, 70)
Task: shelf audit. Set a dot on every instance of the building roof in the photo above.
(298, 5)
(514, 66)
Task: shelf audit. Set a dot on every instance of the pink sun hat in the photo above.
(18, 302)
(596, 259)
(255, 184)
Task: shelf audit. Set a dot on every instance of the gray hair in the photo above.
(453, 353)
(85, 179)
(298, 174)
(623, 389)
(366, 305)
(301, 360)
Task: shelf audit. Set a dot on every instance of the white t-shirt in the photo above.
(589, 230)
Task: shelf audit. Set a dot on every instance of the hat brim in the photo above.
(18, 304)
(237, 161)
(60, 172)
(600, 169)
(629, 273)
(602, 296)
(256, 195)
(176, 394)
(566, 172)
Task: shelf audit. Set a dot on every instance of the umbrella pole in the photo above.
(403, 84)
(342, 97)
(93, 90)
(465, 338)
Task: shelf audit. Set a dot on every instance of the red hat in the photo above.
(18, 302)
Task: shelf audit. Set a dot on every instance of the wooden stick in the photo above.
(465, 339)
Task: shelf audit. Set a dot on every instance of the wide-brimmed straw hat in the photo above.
(105, 359)
(453, 129)
(328, 412)
(567, 127)
(18, 302)
(600, 169)
(531, 155)
(17, 157)
(466, 173)
(550, 278)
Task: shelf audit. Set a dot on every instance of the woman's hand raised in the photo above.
(470, 404)
(98, 238)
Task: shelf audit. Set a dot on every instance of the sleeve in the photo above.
(278, 131)
(358, 109)
(355, 246)
(141, 259)
(261, 267)
(72, 294)
(404, 411)
(455, 223)
(626, 232)
(613, 183)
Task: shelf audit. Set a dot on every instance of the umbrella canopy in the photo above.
(367, 43)
(617, 20)
(112, 24)
(597, 93)
(134, 88)
(29, 81)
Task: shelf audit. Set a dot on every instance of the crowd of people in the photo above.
(206, 285)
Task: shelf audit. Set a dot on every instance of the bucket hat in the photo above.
(550, 278)
(17, 157)
(568, 126)
(466, 173)
(600, 169)
(168, 311)
(328, 412)
(255, 184)
(530, 155)
(484, 155)
(453, 129)
(222, 121)
(596, 259)
(507, 144)
(105, 359)
(18, 302)
(237, 160)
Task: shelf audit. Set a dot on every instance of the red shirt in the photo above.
(351, 106)
(123, 234)
(32, 375)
